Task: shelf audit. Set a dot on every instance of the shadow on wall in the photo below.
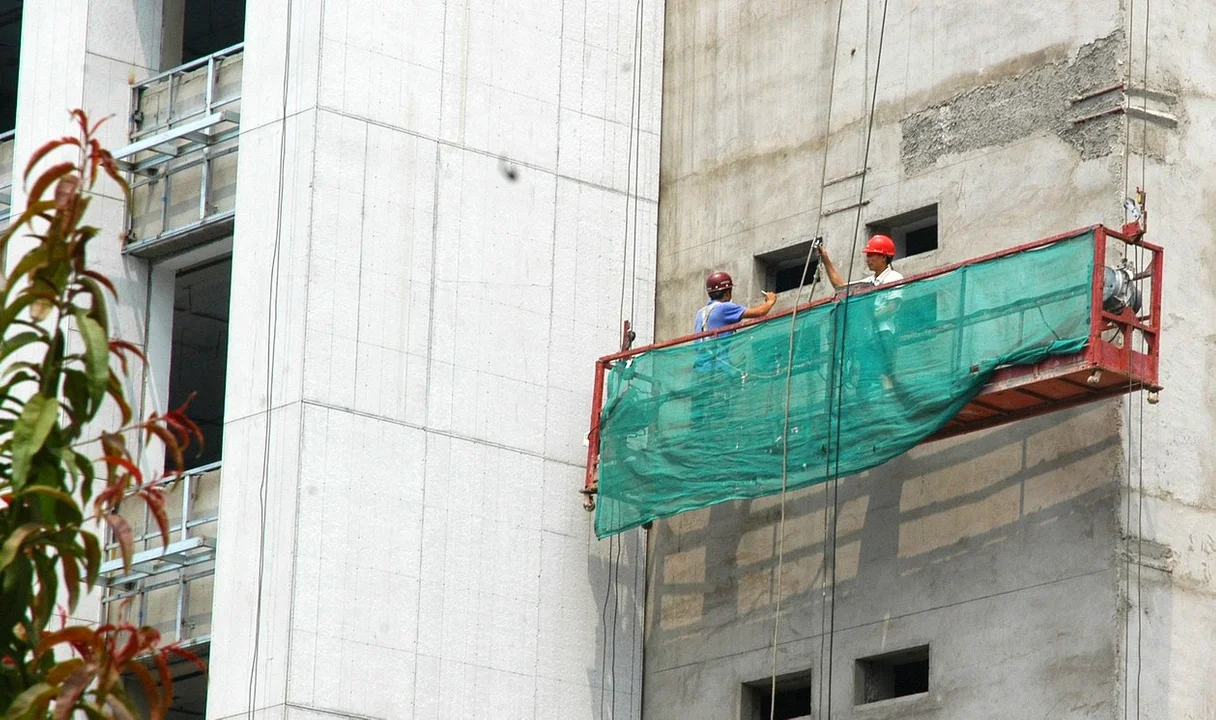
(946, 523)
(615, 679)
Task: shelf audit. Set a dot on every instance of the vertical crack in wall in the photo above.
(1034, 102)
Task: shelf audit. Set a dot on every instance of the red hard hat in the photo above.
(880, 245)
(718, 281)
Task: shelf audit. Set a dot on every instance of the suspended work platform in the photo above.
(848, 382)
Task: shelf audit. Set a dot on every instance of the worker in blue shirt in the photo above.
(720, 311)
(718, 380)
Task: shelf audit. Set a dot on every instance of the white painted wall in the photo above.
(434, 326)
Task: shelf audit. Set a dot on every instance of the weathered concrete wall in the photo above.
(447, 208)
(999, 549)
(1172, 594)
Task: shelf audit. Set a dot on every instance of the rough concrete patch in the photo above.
(1002, 112)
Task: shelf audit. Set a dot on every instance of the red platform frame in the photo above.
(1105, 368)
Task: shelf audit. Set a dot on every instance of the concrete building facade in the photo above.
(385, 242)
(1052, 568)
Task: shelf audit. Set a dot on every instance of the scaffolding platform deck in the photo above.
(1118, 354)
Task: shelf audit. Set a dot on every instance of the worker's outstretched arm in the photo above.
(770, 299)
(833, 276)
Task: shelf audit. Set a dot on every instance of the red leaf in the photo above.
(66, 192)
(151, 693)
(155, 500)
(166, 682)
(71, 578)
(72, 689)
(125, 464)
(171, 445)
(187, 656)
(47, 177)
(122, 533)
(77, 636)
(42, 152)
(105, 281)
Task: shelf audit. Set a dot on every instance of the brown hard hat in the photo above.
(718, 281)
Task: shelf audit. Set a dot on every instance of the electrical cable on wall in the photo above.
(272, 320)
(1135, 426)
(632, 182)
(827, 134)
(839, 368)
(1140, 433)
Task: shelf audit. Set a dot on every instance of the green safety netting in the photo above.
(691, 425)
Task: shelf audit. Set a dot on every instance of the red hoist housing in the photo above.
(1120, 357)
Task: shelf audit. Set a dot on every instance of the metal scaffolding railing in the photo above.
(182, 160)
(6, 176)
(169, 584)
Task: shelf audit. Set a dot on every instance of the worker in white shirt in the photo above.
(879, 252)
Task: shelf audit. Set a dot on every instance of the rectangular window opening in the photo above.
(189, 686)
(914, 232)
(10, 57)
(793, 698)
(781, 270)
(892, 675)
(198, 361)
(194, 29)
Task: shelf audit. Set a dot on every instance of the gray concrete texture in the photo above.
(1009, 552)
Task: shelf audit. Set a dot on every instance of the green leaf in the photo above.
(30, 433)
(74, 515)
(12, 545)
(32, 702)
(43, 606)
(52, 365)
(85, 466)
(18, 341)
(92, 558)
(76, 398)
(35, 258)
(98, 311)
(97, 356)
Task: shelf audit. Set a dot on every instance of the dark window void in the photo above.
(782, 270)
(199, 359)
(892, 675)
(914, 232)
(189, 687)
(10, 56)
(792, 701)
(211, 25)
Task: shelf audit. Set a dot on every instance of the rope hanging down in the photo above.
(838, 369)
(628, 276)
(827, 134)
(1135, 426)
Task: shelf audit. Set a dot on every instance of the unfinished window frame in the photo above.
(769, 265)
(866, 670)
(756, 694)
(897, 227)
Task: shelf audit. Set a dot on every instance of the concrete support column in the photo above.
(428, 256)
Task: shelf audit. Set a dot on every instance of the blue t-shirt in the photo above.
(717, 314)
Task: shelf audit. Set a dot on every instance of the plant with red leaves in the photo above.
(53, 389)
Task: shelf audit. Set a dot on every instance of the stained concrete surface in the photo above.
(1007, 552)
(1048, 98)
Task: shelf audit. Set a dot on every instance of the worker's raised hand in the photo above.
(770, 297)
